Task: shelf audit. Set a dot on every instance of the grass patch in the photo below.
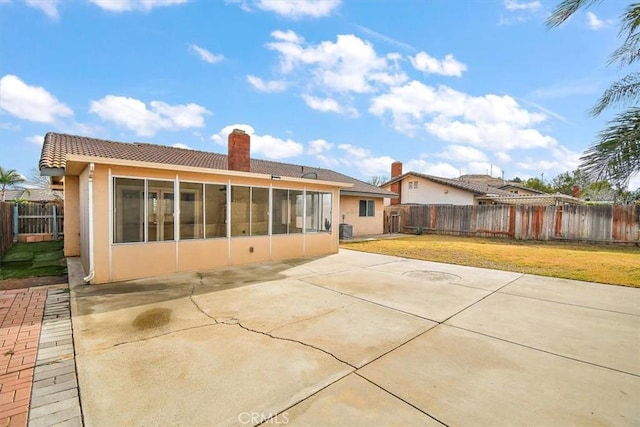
(616, 265)
(33, 260)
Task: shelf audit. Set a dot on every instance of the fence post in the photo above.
(55, 222)
(15, 222)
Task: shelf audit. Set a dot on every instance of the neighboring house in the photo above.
(417, 188)
(520, 189)
(136, 210)
(34, 195)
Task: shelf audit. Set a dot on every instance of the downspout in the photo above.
(92, 272)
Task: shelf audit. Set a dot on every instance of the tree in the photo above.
(9, 178)
(615, 156)
(36, 180)
(377, 180)
(538, 184)
(589, 189)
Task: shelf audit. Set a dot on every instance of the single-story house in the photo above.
(514, 188)
(33, 195)
(135, 210)
(418, 188)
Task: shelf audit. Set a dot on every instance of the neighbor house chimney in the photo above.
(575, 191)
(239, 158)
(396, 187)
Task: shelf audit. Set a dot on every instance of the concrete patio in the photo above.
(357, 339)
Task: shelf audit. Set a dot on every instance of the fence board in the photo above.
(37, 218)
(602, 223)
(6, 227)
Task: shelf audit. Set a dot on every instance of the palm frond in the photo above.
(616, 155)
(628, 53)
(624, 91)
(565, 9)
(630, 20)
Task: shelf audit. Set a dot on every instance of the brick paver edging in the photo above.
(54, 399)
(21, 312)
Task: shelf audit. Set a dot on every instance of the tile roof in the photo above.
(520, 187)
(56, 146)
(473, 187)
(33, 195)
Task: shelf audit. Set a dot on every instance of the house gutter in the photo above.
(92, 272)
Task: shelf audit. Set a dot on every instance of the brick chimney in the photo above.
(575, 191)
(239, 157)
(396, 187)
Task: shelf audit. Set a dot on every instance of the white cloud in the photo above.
(296, 9)
(561, 159)
(134, 115)
(49, 7)
(503, 157)
(130, 5)
(462, 153)
(514, 5)
(318, 146)
(35, 139)
(328, 105)
(181, 145)
(442, 169)
(206, 55)
(449, 66)
(489, 121)
(32, 103)
(272, 86)
(349, 64)
(595, 23)
(367, 164)
(265, 145)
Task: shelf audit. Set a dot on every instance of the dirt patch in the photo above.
(154, 318)
(30, 282)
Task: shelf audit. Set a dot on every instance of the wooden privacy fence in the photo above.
(40, 218)
(606, 223)
(6, 227)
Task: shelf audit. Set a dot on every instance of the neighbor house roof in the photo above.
(34, 195)
(520, 187)
(56, 146)
(472, 187)
(544, 199)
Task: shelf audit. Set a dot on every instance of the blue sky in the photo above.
(446, 87)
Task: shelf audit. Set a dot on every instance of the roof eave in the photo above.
(75, 158)
(368, 194)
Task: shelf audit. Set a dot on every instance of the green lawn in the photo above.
(617, 265)
(33, 260)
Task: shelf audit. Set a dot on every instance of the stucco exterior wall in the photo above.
(72, 216)
(84, 219)
(124, 261)
(432, 193)
(362, 226)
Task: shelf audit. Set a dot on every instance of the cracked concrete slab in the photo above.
(293, 338)
(601, 337)
(463, 378)
(352, 330)
(354, 401)
(428, 299)
(101, 330)
(615, 298)
(205, 376)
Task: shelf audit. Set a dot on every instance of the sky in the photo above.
(446, 87)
